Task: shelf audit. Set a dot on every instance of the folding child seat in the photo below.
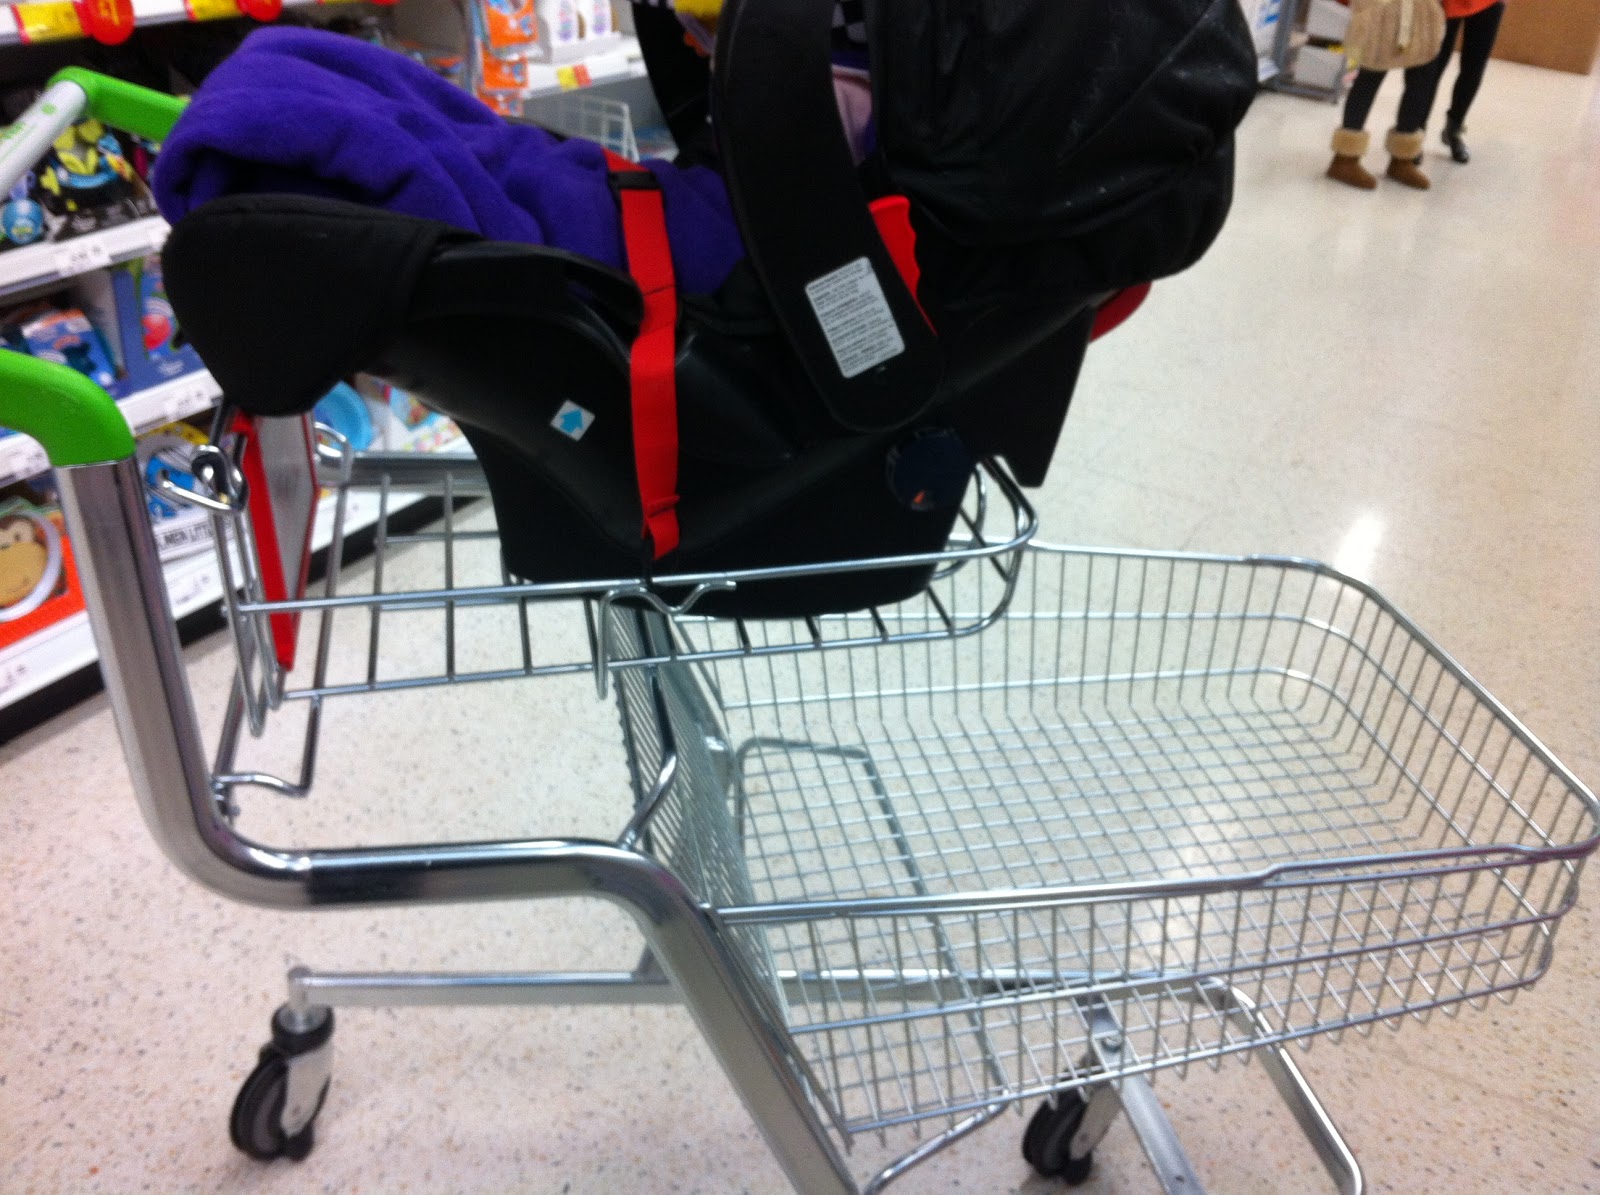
(869, 331)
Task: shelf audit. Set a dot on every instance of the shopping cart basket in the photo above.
(1065, 819)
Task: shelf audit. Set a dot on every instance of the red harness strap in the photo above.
(652, 366)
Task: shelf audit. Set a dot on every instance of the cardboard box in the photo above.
(1563, 35)
(147, 328)
(1316, 67)
(1328, 20)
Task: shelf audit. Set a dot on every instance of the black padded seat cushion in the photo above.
(298, 312)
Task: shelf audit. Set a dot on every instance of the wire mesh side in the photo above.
(1176, 773)
(445, 584)
(606, 121)
(899, 1033)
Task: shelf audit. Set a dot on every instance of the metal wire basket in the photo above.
(607, 122)
(1223, 802)
(1064, 820)
(490, 626)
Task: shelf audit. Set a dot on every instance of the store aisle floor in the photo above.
(1407, 385)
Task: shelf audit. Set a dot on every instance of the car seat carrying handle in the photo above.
(833, 285)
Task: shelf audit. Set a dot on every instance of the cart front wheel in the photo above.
(1047, 1143)
(256, 1124)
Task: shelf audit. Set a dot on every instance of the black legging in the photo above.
(1478, 33)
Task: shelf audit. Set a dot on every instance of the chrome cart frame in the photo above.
(1065, 820)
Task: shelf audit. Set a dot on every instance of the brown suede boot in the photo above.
(1405, 151)
(1348, 146)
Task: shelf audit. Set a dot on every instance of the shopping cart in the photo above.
(1065, 819)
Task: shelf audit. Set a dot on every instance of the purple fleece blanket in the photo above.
(303, 111)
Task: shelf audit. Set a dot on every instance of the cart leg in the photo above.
(145, 679)
(1157, 1137)
(1335, 1154)
(1135, 1096)
(746, 1044)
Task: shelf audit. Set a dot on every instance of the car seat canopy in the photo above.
(1034, 120)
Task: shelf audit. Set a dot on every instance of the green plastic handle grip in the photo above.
(75, 420)
(127, 106)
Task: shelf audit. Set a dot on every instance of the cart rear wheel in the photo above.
(256, 1124)
(1047, 1143)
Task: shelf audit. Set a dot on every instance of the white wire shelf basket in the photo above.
(607, 122)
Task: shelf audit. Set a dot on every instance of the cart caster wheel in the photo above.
(1046, 1145)
(256, 1124)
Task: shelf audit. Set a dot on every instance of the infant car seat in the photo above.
(832, 398)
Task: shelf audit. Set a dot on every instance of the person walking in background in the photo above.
(1404, 141)
(1478, 22)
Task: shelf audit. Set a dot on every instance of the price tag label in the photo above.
(47, 20)
(570, 78)
(29, 459)
(195, 586)
(192, 396)
(158, 235)
(211, 10)
(80, 256)
(11, 675)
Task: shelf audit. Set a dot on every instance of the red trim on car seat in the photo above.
(1115, 311)
(892, 215)
(652, 366)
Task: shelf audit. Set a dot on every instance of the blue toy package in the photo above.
(179, 529)
(147, 328)
(68, 338)
(22, 220)
(344, 410)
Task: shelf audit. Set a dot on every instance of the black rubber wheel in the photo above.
(256, 1123)
(1046, 1145)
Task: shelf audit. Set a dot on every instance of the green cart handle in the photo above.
(73, 95)
(75, 420)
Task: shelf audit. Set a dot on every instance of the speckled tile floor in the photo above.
(1406, 384)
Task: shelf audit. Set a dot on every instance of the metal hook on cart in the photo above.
(643, 593)
(213, 470)
(334, 448)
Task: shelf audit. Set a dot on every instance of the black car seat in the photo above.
(833, 397)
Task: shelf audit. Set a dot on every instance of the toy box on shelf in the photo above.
(181, 529)
(92, 179)
(114, 327)
(399, 422)
(38, 576)
(66, 330)
(147, 327)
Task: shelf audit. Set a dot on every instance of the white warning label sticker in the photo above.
(855, 317)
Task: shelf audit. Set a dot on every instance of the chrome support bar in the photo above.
(138, 642)
(432, 988)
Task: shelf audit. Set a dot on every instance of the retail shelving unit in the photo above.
(1286, 32)
(194, 581)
